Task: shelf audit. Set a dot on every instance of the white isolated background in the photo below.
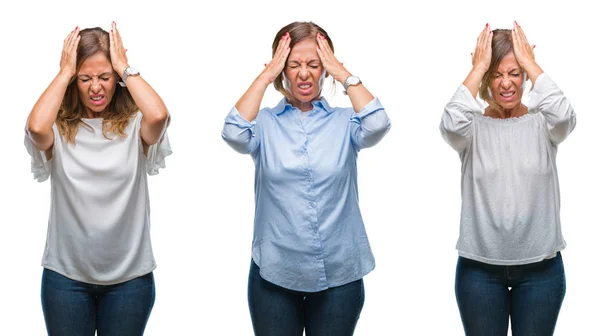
(201, 57)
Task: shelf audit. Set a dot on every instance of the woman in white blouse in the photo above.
(97, 140)
(510, 236)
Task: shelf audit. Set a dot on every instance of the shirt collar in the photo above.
(285, 106)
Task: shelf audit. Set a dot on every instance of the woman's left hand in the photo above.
(330, 63)
(524, 53)
(118, 55)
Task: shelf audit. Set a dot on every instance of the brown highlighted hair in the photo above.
(121, 108)
(299, 31)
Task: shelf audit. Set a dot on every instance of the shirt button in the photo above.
(311, 204)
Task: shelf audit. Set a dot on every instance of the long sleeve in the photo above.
(458, 117)
(550, 101)
(239, 133)
(373, 125)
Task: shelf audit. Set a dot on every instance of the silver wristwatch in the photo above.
(351, 80)
(129, 71)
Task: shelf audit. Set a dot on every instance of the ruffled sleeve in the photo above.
(239, 133)
(157, 153)
(40, 165)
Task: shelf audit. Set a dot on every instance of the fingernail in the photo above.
(265, 64)
(486, 24)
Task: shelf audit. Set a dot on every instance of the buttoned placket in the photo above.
(311, 196)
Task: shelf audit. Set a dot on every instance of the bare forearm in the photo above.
(155, 116)
(249, 104)
(533, 71)
(147, 100)
(473, 80)
(44, 112)
(359, 96)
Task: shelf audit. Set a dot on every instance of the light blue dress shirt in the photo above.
(308, 230)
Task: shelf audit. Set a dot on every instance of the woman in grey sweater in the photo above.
(510, 236)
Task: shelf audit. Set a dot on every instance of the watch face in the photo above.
(353, 80)
(132, 71)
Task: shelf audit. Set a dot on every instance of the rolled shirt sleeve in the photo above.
(373, 125)
(239, 133)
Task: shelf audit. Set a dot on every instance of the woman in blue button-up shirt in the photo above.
(310, 250)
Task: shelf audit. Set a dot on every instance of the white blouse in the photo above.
(99, 225)
(510, 193)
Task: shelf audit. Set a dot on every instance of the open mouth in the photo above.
(305, 87)
(508, 95)
(97, 99)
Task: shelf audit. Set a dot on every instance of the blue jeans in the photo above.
(277, 311)
(531, 295)
(73, 308)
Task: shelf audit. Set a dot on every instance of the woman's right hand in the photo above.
(277, 64)
(44, 112)
(482, 57)
(68, 60)
(249, 104)
(481, 60)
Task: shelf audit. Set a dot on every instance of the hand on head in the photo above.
(118, 56)
(482, 57)
(329, 61)
(277, 64)
(483, 50)
(68, 60)
(523, 51)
